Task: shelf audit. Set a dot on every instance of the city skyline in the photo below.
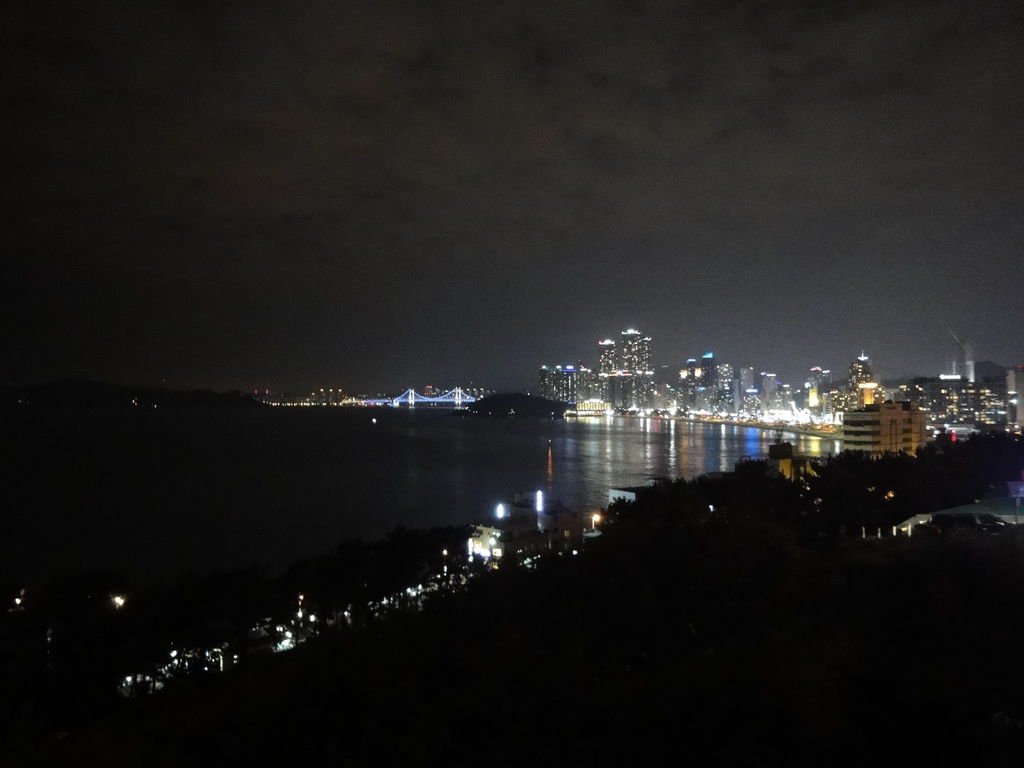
(954, 361)
(969, 394)
(235, 197)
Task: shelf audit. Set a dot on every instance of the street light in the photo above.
(593, 533)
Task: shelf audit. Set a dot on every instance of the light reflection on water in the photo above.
(217, 489)
(598, 454)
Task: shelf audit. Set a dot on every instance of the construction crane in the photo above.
(966, 356)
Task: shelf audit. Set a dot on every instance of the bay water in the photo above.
(157, 492)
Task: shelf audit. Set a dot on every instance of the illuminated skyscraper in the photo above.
(862, 384)
(769, 390)
(635, 352)
(743, 382)
(606, 361)
(860, 371)
(707, 370)
(723, 400)
(588, 385)
(559, 382)
(627, 369)
(688, 382)
(607, 369)
(546, 382)
(817, 389)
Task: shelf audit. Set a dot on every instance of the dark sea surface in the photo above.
(157, 492)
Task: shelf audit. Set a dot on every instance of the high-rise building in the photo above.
(588, 384)
(627, 370)
(723, 388)
(607, 369)
(769, 390)
(558, 382)
(707, 370)
(606, 358)
(744, 381)
(860, 371)
(817, 388)
(635, 351)
(688, 382)
(751, 404)
(697, 383)
(861, 383)
(546, 382)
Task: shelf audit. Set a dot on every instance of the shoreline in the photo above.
(765, 427)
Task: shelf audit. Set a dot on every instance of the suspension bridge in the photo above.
(453, 398)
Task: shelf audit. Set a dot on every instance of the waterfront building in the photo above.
(707, 370)
(588, 384)
(769, 391)
(326, 396)
(558, 382)
(666, 397)
(743, 381)
(698, 387)
(723, 399)
(592, 407)
(884, 427)
(607, 368)
(606, 359)
(545, 382)
(784, 397)
(635, 352)
(626, 370)
(529, 525)
(689, 383)
(751, 405)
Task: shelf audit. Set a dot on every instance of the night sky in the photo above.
(374, 195)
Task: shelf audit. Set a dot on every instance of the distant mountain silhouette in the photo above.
(986, 369)
(517, 405)
(86, 393)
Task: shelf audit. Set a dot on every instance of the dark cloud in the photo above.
(384, 193)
